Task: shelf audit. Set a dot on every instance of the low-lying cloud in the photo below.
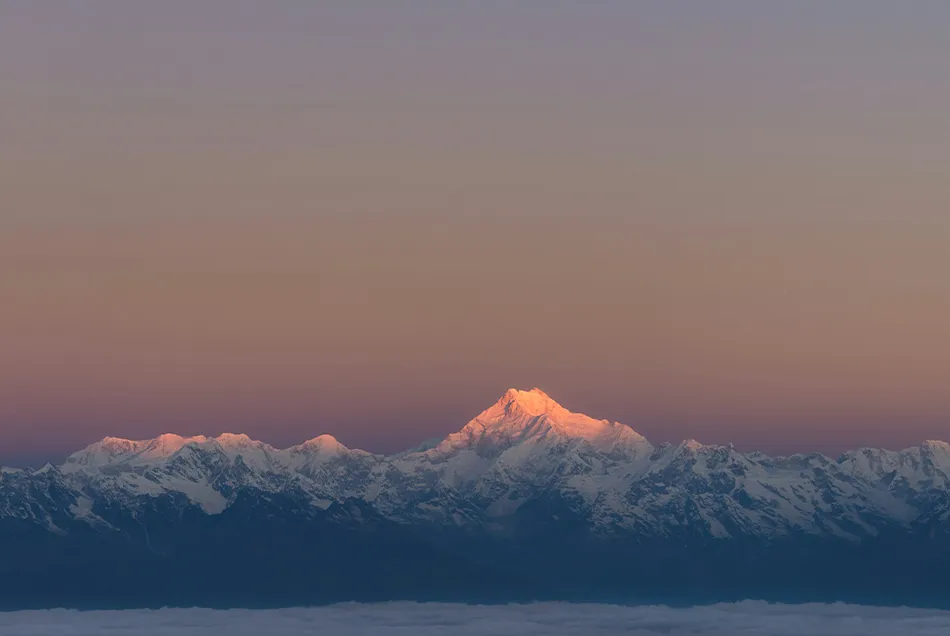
(748, 618)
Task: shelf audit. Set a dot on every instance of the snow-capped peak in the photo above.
(321, 443)
(116, 450)
(107, 451)
(168, 444)
(522, 415)
(936, 446)
(234, 440)
(116, 445)
(534, 402)
(251, 451)
(691, 445)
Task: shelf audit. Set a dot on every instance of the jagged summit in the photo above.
(234, 439)
(117, 450)
(170, 443)
(145, 454)
(534, 402)
(936, 446)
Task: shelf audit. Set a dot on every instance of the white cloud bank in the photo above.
(543, 619)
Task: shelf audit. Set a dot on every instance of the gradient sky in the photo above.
(727, 221)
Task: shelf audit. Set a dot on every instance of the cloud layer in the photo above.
(544, 619)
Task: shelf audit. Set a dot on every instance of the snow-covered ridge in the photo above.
(524, 447)
(114, 451)
(518, 415)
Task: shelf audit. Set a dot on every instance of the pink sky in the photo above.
(372, 221)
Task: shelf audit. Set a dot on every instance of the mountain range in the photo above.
(527, 501)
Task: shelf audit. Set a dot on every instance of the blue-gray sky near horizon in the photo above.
(725, 221)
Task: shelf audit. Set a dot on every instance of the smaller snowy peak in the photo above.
(314, 454)
(691, 445)
(319, 444)
(687, 449)
(167, 445)
(119, 451)
(109, 450)
(938, 453)
(936, 447)
(232, 443)
(252, 452)
(235, 440)
(124, 455)
(118, 445)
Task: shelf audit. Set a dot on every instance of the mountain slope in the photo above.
(523, 446)
(524, 480)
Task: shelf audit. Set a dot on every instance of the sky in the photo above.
(723, 221)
